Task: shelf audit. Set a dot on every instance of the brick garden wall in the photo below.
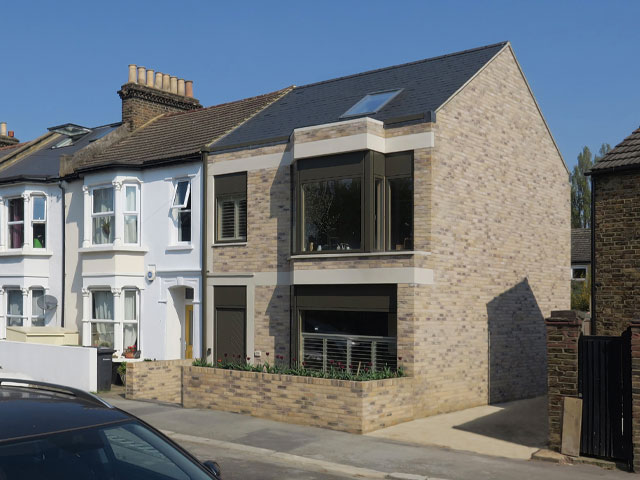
(159, 381)
(356, 407)
(617, 251)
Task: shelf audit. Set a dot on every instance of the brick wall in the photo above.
(356, 407)
(563, 333)
(617, 251)
(160, 381)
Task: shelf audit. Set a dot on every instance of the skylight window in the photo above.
(371, 103)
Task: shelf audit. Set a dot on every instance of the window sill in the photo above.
(113, 248)
(178, 248)
(394, 253)
(230, 244)
(40, 252)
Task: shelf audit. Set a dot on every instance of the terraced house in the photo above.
(134, 216)
(413, 216)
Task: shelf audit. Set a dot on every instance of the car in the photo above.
(56, 432)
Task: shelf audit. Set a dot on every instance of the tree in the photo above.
(581, 189)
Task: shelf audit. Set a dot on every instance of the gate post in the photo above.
(563, 332)
(635, 391)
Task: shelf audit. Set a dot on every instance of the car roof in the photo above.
(30, 408)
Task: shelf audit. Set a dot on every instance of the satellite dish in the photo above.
(47, 302)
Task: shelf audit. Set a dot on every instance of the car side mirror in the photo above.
(213, 467)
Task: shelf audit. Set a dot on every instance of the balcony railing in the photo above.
(353, 352)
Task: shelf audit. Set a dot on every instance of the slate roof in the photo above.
(179, 135)
(581, 245)
(44, 163)
(625, 155)
(9, 149)
(426, 85)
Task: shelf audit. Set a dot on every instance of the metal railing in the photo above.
(352, 352)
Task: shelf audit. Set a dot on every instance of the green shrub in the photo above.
(580, 295)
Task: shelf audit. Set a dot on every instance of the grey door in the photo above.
(230, 334)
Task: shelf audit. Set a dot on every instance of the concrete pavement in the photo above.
(236, 442)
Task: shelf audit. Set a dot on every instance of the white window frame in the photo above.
(34, 316)
(9, 316)
(111, 213)
(111, 321)
(21, 222)
(579, 267)
(182, 208)
(35, 221)
(130, 213)
(130, 322)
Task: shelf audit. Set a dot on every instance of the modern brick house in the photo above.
(416, 215)
(615, 187)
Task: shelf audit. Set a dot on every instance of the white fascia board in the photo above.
(247, 164)
(422, 276)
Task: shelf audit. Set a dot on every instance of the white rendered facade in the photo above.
(133, 275)
(31, 245)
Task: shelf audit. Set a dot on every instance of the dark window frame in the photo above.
(372, 166)
(236, 186)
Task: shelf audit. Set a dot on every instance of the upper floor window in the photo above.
(182, 204)
(15, 222)
(102, 216)
(39, 221)
(359, 201)
(231, 207)
(131, 214)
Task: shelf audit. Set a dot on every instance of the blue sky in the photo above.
(64, 61)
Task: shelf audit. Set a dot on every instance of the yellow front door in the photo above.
(188, 331)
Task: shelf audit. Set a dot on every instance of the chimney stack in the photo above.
(150, 93)
(7, 138)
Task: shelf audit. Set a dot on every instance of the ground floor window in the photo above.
(130, 324)
(347, 326)
(37, 307)
(230, 305)
(15, 308)
(102, 319)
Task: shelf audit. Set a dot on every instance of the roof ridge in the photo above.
(174, 114)
(415, 62)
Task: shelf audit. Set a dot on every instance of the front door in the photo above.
(188, 331)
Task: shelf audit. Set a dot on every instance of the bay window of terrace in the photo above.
(355, 202)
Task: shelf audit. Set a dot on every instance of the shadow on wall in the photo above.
(278, 309)
(517, 345)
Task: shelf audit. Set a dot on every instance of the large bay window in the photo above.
(182, 206)
(15, 308)
(15, 222)
(102, 318)
(357, 202)
(231, 207)
(131, 214)
(102, 216)
(39, 221)
(130, 322)
(346, 326)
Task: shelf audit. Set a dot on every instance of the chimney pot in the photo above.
(188, 86)
(181, 86)
(174, 85)
(3, 129)
(11, 133)
(158, 84)
(132, 73)
(142, 75)
(150, 78)
(166, 82)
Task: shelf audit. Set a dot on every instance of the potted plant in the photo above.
(130, 352)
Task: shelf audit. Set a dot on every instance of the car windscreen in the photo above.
(108, 452)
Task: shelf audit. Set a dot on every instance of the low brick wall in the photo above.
(356, 407)
(160, 381)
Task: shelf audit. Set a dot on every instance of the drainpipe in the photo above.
(61, 185)
(593, 255)
(204, 249)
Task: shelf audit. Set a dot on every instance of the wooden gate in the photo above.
(604, 382)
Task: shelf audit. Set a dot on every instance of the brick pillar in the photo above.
(563, 332)
(635, 391)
